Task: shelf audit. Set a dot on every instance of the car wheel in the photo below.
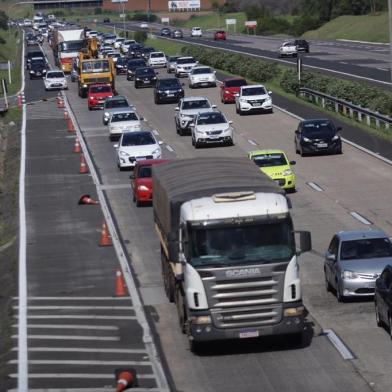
(327, 284)
(378, 319)
(136, 85)
(193, 141)
(236, 110)
(390, 325)
(339, 152)
(197, 144)
(240, 112)
(190, 85)
(90, 108)
(296, 147)
(301, 152)
(339, 296)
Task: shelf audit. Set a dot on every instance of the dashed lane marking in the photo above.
(71, 337)
(71, 326)
(85, 350)
(78, 307)
(315, 186)
(94, 376)
(254, 143)
(91, 390)
(169, 148)
(360, 218)
(78, 362)
(115, 186)
(77, 298)
(338, 344)
(72, 316)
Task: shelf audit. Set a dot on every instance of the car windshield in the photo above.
(116, 103)
(100, 89)
(118, 117)
(154, 55)
(254, 91)
(37, 63)
(235, 83)
(268, 242)
(315, 128)
(188, 60)
(95, 66)
(55, 75)
(168, 83)
(267, 160)
(144, 172)
(199, 71)
(211, 118)
(366, 248)
(144, 72)
(198, 104)
(137, 139)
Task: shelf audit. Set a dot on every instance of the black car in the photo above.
(383, 299)
(317, 135)
(135, 51)
(33, 54)
(38, 68)
(302, 45)
(145, 77)
(146, 51)
(132, 65)
(121, 65)
(168, 90)
(165, 32)
(31, 39)
(106, 20)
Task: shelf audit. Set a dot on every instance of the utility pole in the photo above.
(390, 35)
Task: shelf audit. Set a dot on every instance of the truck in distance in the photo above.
(228, 253)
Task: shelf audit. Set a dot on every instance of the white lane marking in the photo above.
(360, 218)
(254, 143)
(169, 148)
(343, 62)
(85, 350)
(314, 186)
(77, 298)
(71, 337)
(91, 389)
(338, 344)
(71, 326)
(383, 69)
(285, 61)
(72, 316)
(115, 186)
(22, 277)
(362, 42)
(92, 376)
(92, 363)
(155, 132)
(78, 307)
(350, 143)
(156, 364)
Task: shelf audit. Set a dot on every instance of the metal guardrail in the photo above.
(346, 108)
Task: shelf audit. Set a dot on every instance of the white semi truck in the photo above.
(228, 252)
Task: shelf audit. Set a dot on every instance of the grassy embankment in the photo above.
(371, 28)
(172, 48)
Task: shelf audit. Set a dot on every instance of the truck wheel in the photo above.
(181, 309)
(168, 280)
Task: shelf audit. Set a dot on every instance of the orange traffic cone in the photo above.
(83, 165)
(86, 199)
(70, 125)
(65, 115)
(120, 285)
(105, 237)
(125, 378)
(76, 146)
(60, 104)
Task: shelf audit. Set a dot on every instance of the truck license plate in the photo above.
(249, 334)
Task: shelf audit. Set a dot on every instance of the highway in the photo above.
(331, 189)
(353, 60)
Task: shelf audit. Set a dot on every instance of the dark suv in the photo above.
(33, 54)
(132, 65)
(302, 45)
(145, 77)
(38, 68)
(168, 90)
(135, 51)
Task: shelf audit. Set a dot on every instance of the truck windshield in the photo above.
(70, 46)
(95, 66)
(269, 242)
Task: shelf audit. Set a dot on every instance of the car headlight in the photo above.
(198, 131)
(160, 91)
(44, 71)
(305, 139)
(156, 151)
(336, 137)
(268, 100)
(106, 114)
(142, 188)
(123, 153)
(287, 172)
(243, 100)
(349, 275)
(154, 78)
(85, 85)
(31, 71)
(137, 78)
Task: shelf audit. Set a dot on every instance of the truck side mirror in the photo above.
(305, 241)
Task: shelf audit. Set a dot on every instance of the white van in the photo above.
(196, 32)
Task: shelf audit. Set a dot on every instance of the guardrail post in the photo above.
(359, 116)
(336, 107)
(368, 120)
(351, 112)
(377, 121)
(323, 102)
(344, 110)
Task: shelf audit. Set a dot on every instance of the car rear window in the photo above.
(197, 104)
(137, 139)
(101, 89)
(118, 117)
(199, 71)
(235, 83)
(145, 172)
(116, 103)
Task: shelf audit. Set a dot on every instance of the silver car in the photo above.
(354, 260)
(114, 104)
(171, 62)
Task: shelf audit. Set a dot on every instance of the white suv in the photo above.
(184, 66)
(253, 98)
(196, 32)
(201, 76)
(157, 59)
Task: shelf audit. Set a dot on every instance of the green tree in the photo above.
(3, 20)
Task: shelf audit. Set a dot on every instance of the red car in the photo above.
(97, 93)
(220, 35)
(230, 87)
(142, 182)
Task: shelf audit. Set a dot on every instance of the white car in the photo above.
(156, 59)
(124, 47)
(288, 49)
(114, 56)
(211, 127)
(55, 80)
(144, 25)
(196, 32)
(118, 42)
(201, 76)
(109, 39)
(184, 65)
(123, 121)
(91, 34)
(136, 146)
(253, 98)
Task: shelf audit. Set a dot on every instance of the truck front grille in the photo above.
(97, 80)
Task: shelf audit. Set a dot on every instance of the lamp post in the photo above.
(390, 35)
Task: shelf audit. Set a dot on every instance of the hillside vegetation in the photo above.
(371, 28)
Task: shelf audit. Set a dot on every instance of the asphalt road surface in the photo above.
(348, 183)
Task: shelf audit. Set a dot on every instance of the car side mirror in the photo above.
(230, 122)
(269, 92)
(339, 128)
(213, 106)
(160, 142)
(142, 119)
(177, 109)
(330, 257)
(115, 145)
(214, 72)
(293, 162)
